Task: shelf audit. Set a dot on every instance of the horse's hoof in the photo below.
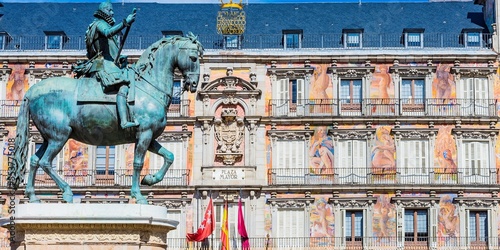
(147, 180)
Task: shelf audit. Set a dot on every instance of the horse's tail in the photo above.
(17, 162)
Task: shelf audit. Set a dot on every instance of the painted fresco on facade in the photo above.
(17, 84)
(443, 85)
(322, 218)
(381, 85)
(448, 220)
(384, 218)
(321, 152)
(321, 85)
(75, 162)
(384, 154)
(445, 155)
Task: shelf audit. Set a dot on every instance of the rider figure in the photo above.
(103, 47)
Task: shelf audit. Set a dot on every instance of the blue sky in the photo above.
(218, 1)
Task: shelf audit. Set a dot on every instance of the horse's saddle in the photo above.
(89, 90)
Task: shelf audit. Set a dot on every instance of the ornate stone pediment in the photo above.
(352, 134)
(409, 71)
(290, 134)
(42, 73)
(174, 136)
(474, 133)
(351, 71)
(229, 87)
(414, 133)
(290, 203)
(477, 202)
(415, 202)
(355, 202)
(473, 71)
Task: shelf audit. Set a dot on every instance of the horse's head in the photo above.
(188, 62)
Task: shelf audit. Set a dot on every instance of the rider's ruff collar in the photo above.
(101, 15)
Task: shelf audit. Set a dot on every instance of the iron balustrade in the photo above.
(384, 107)
(10, 108)
(342, 243)
(121, 177)
(266, 41)
(382, 176)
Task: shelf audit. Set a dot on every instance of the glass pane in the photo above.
(406, 89)
(353, 40)
(293, 84)
(176, 93)
(292, 41)
(473, 39)
(231, 41)
(2, 44)
(54, 42)
(413, 40)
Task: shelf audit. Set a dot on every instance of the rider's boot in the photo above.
(121, 104)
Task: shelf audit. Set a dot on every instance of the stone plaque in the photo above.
(228, 174)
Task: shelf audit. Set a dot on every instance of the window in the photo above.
(169, 33)
(176, 92)
(413, 38)
(292, 39)
(471, 37)
(350, 90)
(105, 160)
(4, 39)
(478, 226)
(352, 38)
(415, 221)
(352, 161)
(54, 39)
(474, 96)
(413, 163)
(414, 90)
(354, 225)
(232, 219)
(232, 41)
(475, 161)
(290, 224)
(290, 161)
(291, 97)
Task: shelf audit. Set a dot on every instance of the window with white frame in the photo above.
(352, 164)
(292, 39)
(232, 218)
(471, 37)
(476, 163)
(232, 41)
(353, 225)
(416, 225)
(290, 93)
(413, 160)
(54, 39)
(3, 40)
(105, 160)
(352, 38)
(290, 223)
(413, 90)
(174, 236)
(478, 225)
(177, 92)
(413, 38)
(290, 154)
(350, 90)
(474, 95)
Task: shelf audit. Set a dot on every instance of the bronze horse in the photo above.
(54, 108)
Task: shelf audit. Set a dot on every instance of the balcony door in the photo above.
(290, 98)
(474, 96)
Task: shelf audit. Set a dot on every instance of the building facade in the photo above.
(338, 126)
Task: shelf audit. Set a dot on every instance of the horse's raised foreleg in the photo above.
(168, 158)
(30, 185)
(143, 140)
(53, 148)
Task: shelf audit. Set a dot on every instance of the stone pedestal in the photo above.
(91, 226)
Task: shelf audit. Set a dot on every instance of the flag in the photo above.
(224, 232)
(207, 225)
(245, 244)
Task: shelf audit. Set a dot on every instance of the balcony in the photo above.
(268, 42)
(111, 178)
(341, 243)
(10, 109)
(382, 177)
(386, 107)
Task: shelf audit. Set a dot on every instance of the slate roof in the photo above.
(32, 19)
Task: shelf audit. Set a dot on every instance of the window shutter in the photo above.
(480, 88)
(300, 91)
(345, 154)
(357, 90)
(359, 157)
(283, 89)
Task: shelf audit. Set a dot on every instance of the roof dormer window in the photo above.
(54, 39)
(352, 38)
(292, 39)
(413, 38)
(4, 39)
(472, 37)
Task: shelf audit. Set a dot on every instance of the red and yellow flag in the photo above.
(224, 232)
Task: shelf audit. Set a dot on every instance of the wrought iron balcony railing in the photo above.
(10, 108)
(267, 41)
(382, 176)
(383, 107)
(121, 177)
(344, 243)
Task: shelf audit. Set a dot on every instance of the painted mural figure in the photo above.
(321, 152)
(383, 160)
(103, 49)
